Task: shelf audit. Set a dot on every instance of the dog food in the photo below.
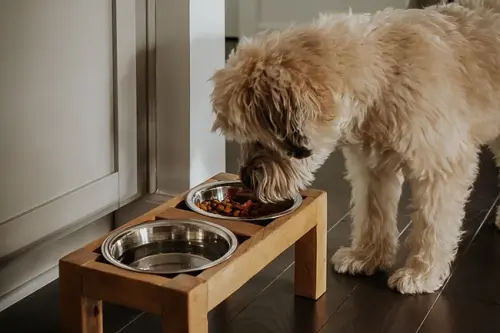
(239, 206)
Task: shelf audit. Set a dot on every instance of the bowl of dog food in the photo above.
(230, 200)
(169, 246)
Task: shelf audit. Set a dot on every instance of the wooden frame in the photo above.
(125, 81)
(151, 93)
(184, 301)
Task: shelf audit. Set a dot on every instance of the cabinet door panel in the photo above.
(56, 97)
(67, 114)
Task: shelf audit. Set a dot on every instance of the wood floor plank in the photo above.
(477, 276)
(478, 271)
(457, 315)
(377, 310)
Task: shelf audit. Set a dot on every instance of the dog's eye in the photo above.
(300, 152)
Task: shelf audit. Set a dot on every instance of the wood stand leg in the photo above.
(186, 312)
(310, 257)
(183, 324)
(79, 314)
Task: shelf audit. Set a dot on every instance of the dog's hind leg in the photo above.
(375, 198)
(495, 149)
(439, 194)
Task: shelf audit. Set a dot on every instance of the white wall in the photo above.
(263, 14)
(190, 47)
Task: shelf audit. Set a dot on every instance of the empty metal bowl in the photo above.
(169, 246)
(220, 190)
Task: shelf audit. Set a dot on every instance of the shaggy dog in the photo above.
(404, 93)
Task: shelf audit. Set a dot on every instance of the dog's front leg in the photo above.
(439, 198)
(375, 198)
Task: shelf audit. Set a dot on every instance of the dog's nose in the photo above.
(245, 177)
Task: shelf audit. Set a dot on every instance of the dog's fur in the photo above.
(404, 93)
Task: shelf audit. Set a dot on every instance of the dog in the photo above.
(406, 94)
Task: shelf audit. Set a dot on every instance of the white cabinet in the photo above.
(68, 129)
(256, 15)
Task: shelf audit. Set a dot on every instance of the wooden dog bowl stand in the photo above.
(184, 300)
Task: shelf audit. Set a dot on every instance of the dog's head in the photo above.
(274, 97)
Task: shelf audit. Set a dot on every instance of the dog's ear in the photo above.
(286, 125)
(286, 110)
(258, 98)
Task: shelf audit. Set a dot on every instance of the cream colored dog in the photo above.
(404, 93)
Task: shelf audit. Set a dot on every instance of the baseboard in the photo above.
(28, 288)
(37, 266)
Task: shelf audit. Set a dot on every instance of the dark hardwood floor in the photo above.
(469, 302)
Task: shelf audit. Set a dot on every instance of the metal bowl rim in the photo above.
(297, 201)
(111, 239)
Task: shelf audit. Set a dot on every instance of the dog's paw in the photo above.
(410, 281)
(348, 260)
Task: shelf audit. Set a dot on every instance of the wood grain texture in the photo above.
(458, 315)
(237, 227)
(310, 255)
(79, 313)
(185, 306)
(134, 290)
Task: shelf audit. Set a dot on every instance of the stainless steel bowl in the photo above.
(219, 190)
(169, 246)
